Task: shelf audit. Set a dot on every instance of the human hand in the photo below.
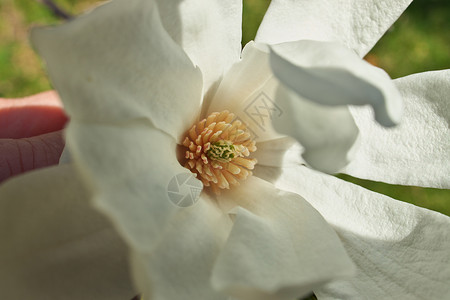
(30, 133)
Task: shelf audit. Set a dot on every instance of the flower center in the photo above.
(217, 151)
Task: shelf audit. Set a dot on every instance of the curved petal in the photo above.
(54, 245)
(209, 31)
(416, 152)
(279, 246)
(280, 152)
(248, 91)
(243, 79)
(330, 74)
(355, 24)
(117, 63)
(400, 250)
(327, 133)
(180, 265)
(129, 168)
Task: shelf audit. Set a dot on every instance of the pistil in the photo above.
(218, 150)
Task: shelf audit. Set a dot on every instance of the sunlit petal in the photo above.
(248, 90)
(355, 24)
(279, 246)
(417, 152)
(330, 74)
(139, 70)
(400, 250)
(209, 31)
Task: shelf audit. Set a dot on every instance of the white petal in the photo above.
(354, 23)
(209, 31)
(130, 168)
(401, 251)
(327, 133)
(248, 91)
(180, 265)
(117, 63)
(54, 245)
(417, 152)
(279, 152)
(279, 246)
(330, 74)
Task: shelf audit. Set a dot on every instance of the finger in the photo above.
(25, 154)
(31, 116)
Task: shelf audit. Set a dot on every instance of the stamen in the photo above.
(218, 150)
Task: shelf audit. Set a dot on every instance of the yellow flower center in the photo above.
(218, 150)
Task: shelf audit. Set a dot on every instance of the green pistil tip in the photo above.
(222, 151)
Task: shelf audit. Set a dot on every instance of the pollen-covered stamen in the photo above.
(218, 150)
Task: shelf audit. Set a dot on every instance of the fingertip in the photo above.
(31, 116)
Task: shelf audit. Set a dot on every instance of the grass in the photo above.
(419, 41)
(21, 71)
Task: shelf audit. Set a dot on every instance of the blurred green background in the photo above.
(419, 41)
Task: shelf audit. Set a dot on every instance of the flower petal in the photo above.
(280, 152)
(248, 91)
(209, 31)
(401, 251)
(330, 74)
(117, 63)
(180, 265)
(54, 245)
(417, 151)
(279, 246)
(129, 168)
(326, 133)
(355, 24)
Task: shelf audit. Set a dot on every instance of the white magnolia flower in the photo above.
(136, 75)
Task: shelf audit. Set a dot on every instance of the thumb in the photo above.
(30, 133)
(31, 116)
(21, 155)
